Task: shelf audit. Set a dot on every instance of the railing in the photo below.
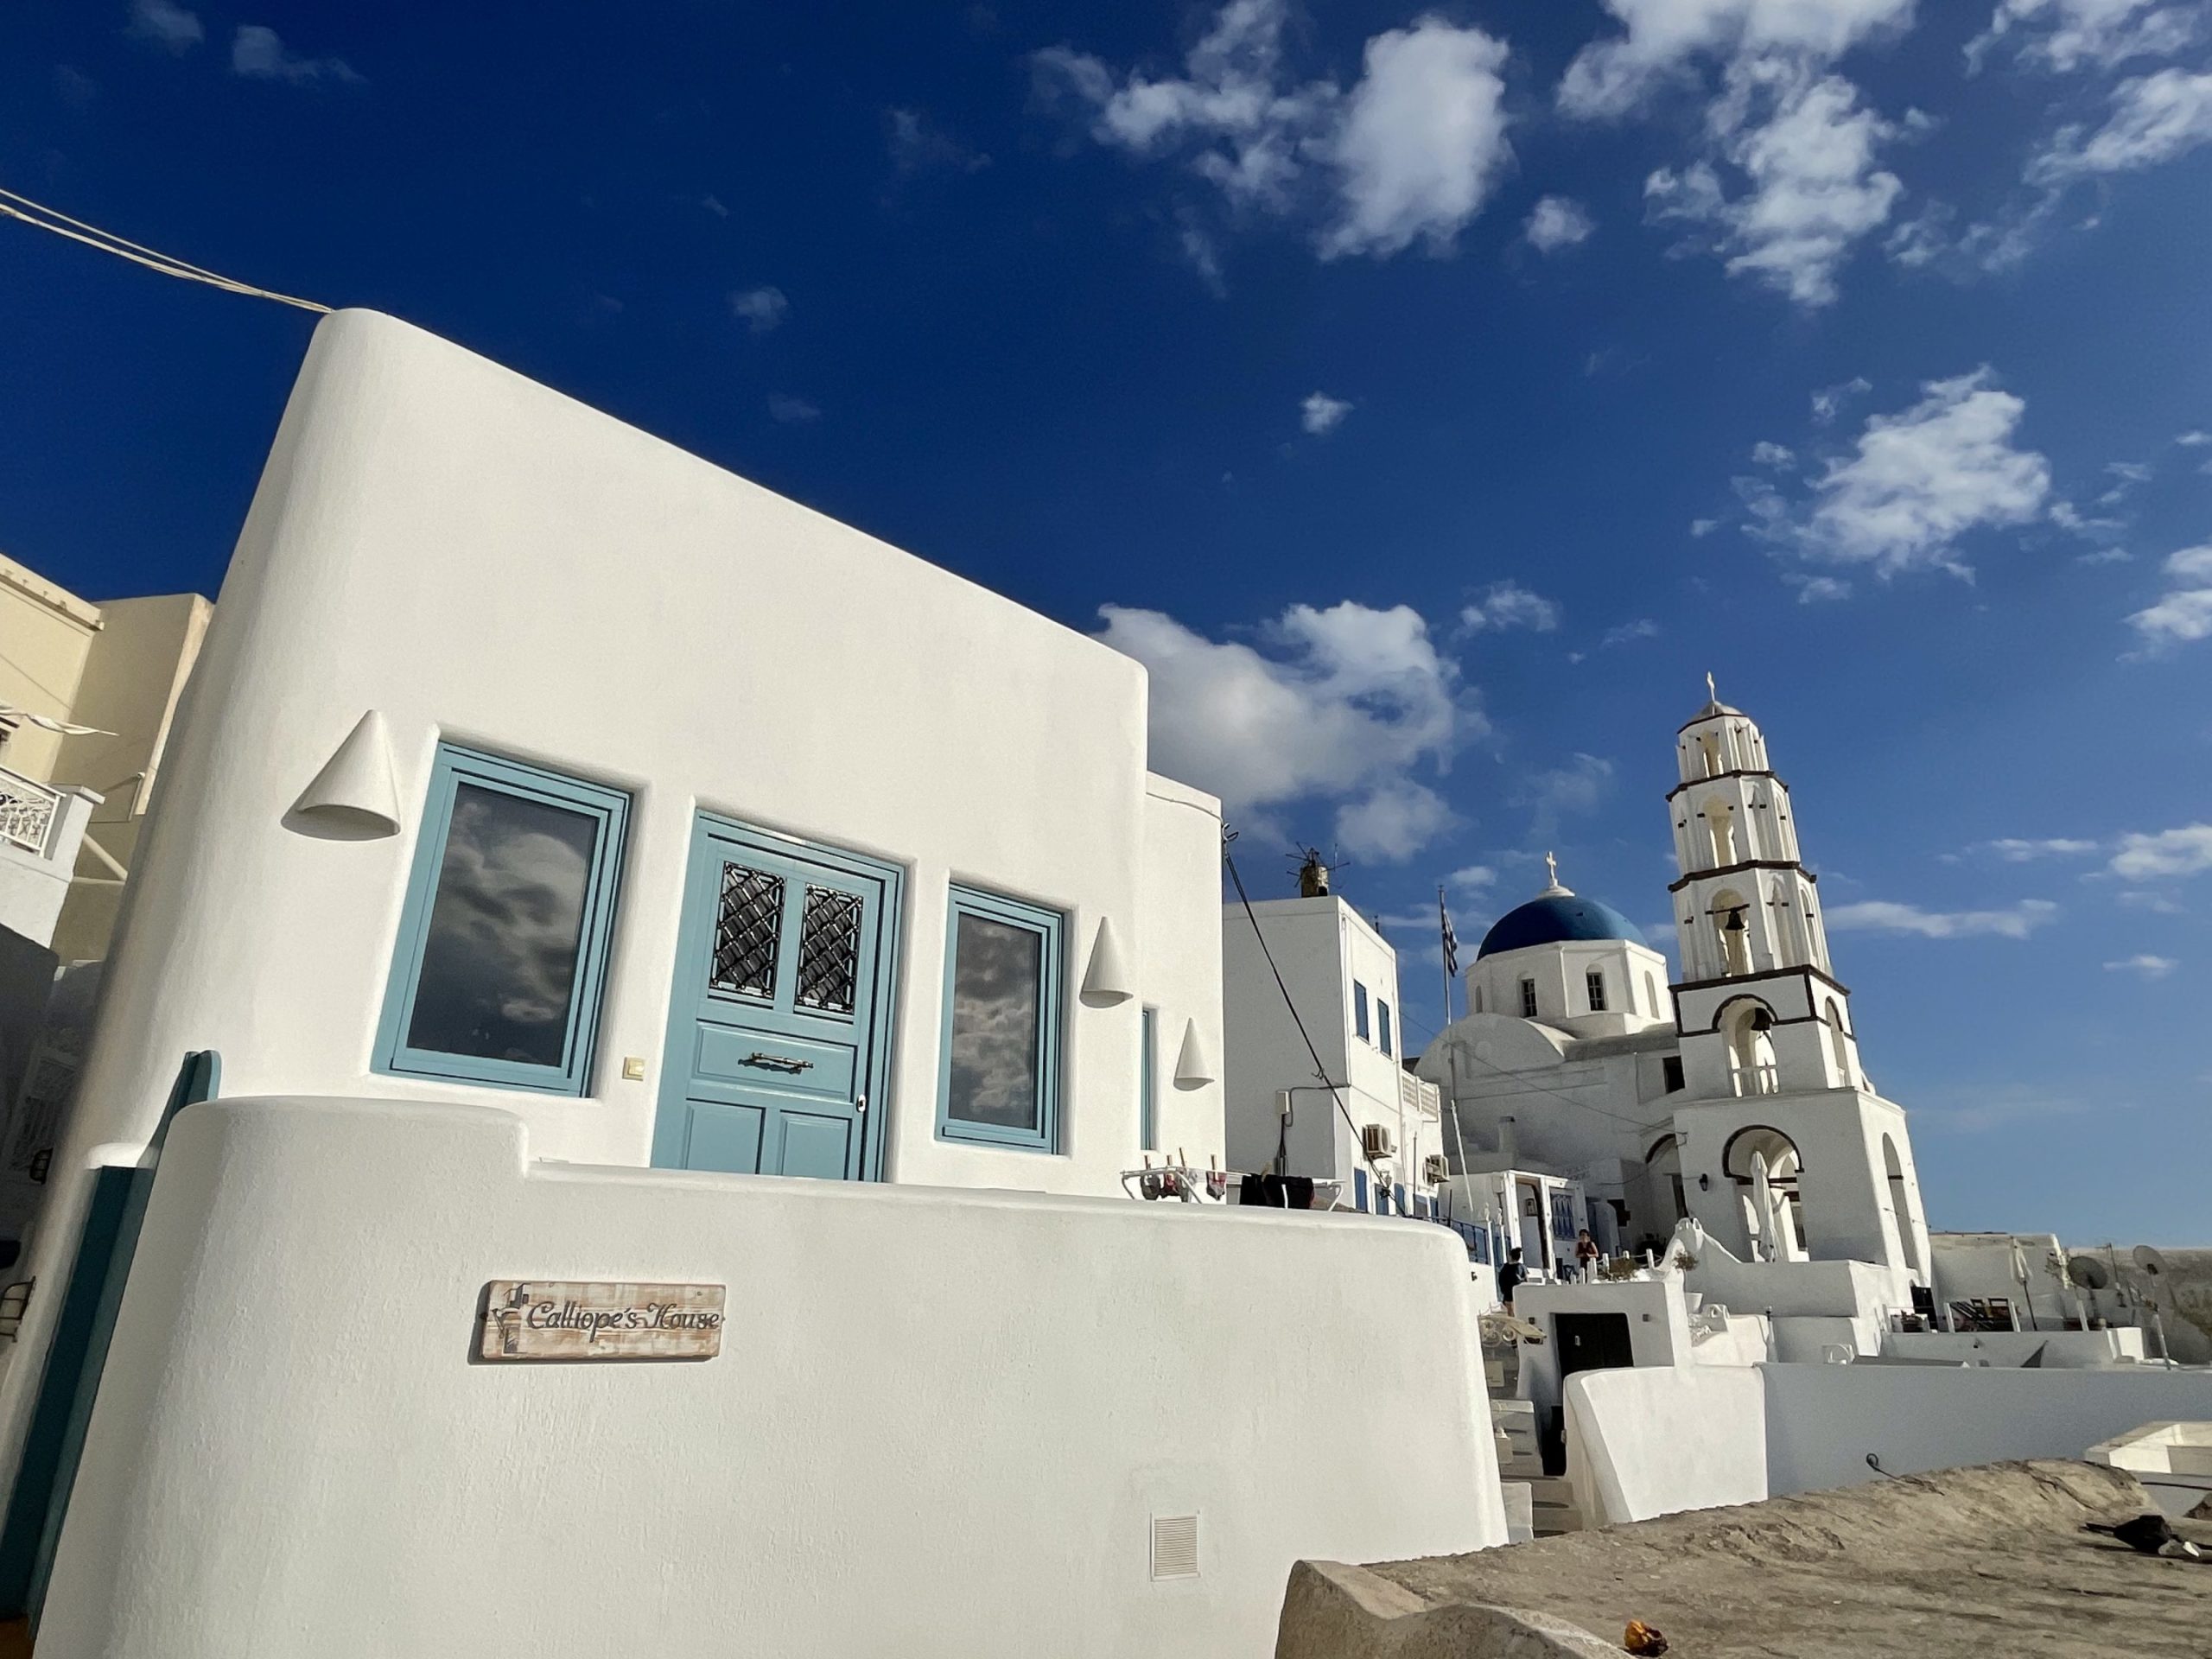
(1756, 1080)
(26, 811)
(1419, 1095)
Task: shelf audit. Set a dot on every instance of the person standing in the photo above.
(1586, 1253)
(1510, 1277)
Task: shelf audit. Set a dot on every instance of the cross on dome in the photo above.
(1554, 891)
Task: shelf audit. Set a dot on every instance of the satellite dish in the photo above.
(2088, 1272)
(2152, 1263)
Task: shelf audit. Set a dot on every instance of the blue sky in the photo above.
(1432, 396)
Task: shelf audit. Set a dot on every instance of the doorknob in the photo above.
(778, 1062)
(859, 1104)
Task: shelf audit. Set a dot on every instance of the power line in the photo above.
(44, 218)
(1320, 1071)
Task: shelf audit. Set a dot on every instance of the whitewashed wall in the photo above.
(483, 560)
(940, 1424)
(1651, 1442)
(1179, 953)
(1643, 1443)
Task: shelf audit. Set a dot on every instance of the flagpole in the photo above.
(1442, 960)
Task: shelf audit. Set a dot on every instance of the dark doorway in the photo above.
(1592, 1342)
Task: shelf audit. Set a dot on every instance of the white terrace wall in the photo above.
(485, 561)
(940, 1424)
(1652, 1442)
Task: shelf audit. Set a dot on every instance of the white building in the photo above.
(1370, 1136)
(1736, 1096)
(564, 840)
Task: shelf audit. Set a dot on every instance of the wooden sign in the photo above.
(547, 1318)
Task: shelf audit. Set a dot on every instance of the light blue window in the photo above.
(502, 949)
(1148, 1081)
(1382, 1024)
(999, 1079)
(1359, 1010)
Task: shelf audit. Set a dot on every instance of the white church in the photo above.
(1733, 1097)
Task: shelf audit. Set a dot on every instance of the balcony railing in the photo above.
(1419, 1095)
(1757, 1080)
(26, 811)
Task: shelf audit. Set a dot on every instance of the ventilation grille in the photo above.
(1175, 1546)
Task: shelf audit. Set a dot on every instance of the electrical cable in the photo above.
(12, 206)
(1320, 1071)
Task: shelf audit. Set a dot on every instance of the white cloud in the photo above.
(1808, 152)
(1702, 528)
(1915, 483)
(1558, 222)
(1320, 414)
(715, 205)
(1393, 821)
(1341, 708)
(790, 410)
(1882, 916)
(759, 308)
(1828, 401)
(2154, 118)
(1578, 786)
(1409, 154)
(1471, 879)
(165, 23)
(1613, 77)
(258, 54)
(2193, 440)
(1628, 632)
(1819, 590)
(2183, 613)
(1772, 454)
(918, 144)
(2185, 851)
(1508, 604)
(1423, 141)
(2064, 35)
(2015, 850)
(2148, 966)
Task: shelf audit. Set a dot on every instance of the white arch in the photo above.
(1901, 1203)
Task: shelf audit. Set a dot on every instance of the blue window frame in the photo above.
(1360, 1191)
(1398, 1200)
(1359, 1010)
(1148, 1081)
(1382, 1025)
(501, 955)
(999, 1069)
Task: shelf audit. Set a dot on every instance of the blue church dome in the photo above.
(1556, 917)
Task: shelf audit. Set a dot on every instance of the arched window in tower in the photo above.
(1774, 1211)
(1789, 923)
(1719, 817)
(1901, 1202)
(1745, 1023)
(1732, 928)
(1708, 744)
(1839, 1043)
(1652, 994)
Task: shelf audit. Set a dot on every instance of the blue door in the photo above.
(779, 1034)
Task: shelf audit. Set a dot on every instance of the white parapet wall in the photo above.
(1649, 1442)
(941, 1422)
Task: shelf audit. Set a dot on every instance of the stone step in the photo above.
(1530, 1467)
(1520, 1519)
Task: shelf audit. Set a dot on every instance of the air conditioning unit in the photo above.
(1434, 1170)
(1374, 1140)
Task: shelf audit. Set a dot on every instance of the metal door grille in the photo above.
(747, 925)
(828, 950)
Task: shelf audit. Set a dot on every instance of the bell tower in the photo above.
(1760, 1010)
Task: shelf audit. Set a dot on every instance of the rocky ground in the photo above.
(1961, 1563)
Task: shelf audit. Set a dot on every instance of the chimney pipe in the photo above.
(1507, 1147)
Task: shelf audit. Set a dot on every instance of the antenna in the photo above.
(2154, 1269)
(2088, 1272)
(1313, 868)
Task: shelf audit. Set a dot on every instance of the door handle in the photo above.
(778, 1062)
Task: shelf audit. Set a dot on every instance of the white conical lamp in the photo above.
(1108, 978)
(1194, 1067)
(354, 796)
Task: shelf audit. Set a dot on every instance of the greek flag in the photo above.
(1451, 939)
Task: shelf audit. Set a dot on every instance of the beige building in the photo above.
(87, 692)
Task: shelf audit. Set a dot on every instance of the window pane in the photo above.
(499, 956)
(997, 992)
